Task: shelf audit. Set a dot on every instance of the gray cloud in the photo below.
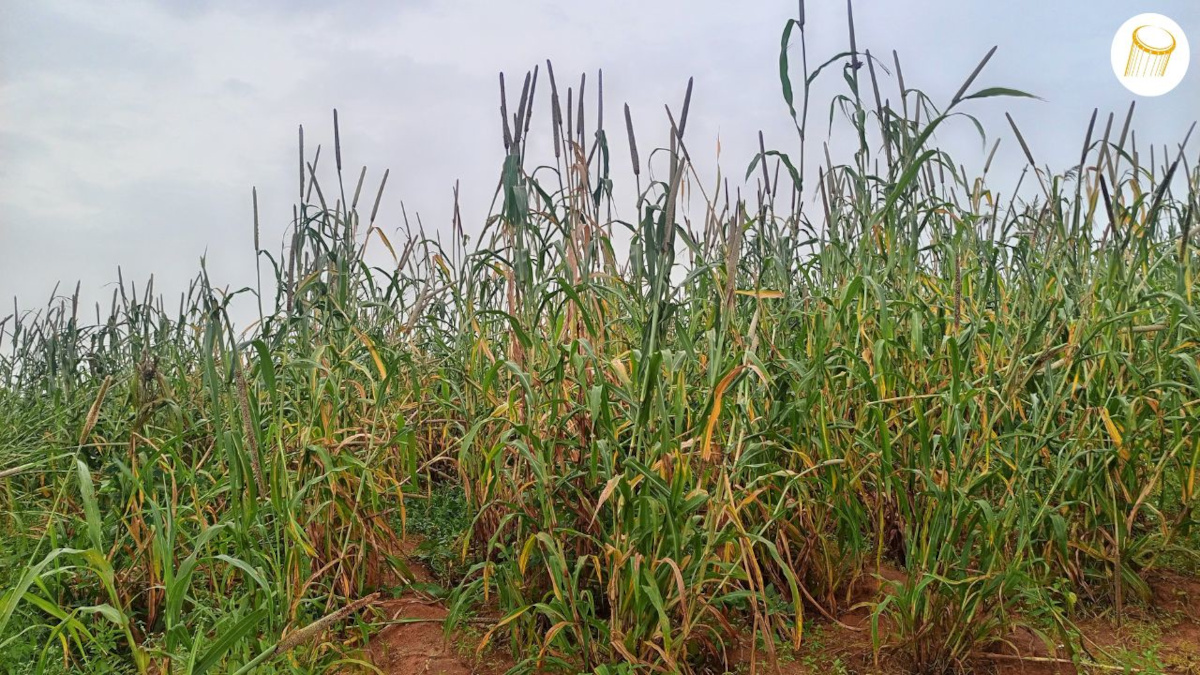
(131, 133)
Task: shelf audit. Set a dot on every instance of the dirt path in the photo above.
(416, 643)
(421, 646)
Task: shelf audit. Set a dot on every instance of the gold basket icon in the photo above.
(1151, 50)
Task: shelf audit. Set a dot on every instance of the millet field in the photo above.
(864, 415)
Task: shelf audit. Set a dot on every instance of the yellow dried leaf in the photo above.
(1115, 434)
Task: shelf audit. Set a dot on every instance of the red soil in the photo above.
(1169, 625)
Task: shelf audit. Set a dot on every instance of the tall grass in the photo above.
(671, 429)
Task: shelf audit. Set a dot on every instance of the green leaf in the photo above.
(91, 509)
(228, 638)
(1000, 91)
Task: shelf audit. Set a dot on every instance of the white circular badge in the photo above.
(1150, 54)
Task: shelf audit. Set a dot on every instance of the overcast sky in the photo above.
(131, 132)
